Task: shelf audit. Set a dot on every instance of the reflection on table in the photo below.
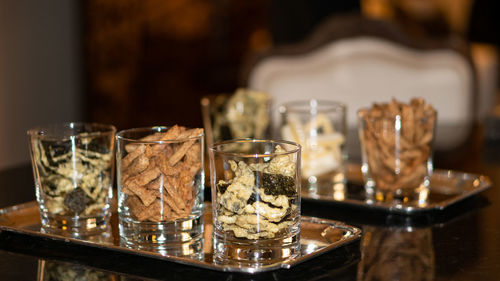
(49, 270)
(402, 254)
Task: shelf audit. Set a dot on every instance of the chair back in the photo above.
(359, 61)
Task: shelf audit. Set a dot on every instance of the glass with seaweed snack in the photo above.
(245, 113)
(73, 167)
(255, 201)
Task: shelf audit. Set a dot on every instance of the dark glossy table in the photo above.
(460, 243)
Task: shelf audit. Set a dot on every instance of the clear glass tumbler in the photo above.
(73, 167)
(319, 126)
(396, 147)
(160, 189)
(244, 114)
(255, 200)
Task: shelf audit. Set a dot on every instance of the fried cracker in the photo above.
(151, 173)
(137, 166)
(155, 184)
(147, 197)
(171, 187)
(193, 154)
(168, 170)
(135, 205)
(132, 155)
(180, 152)
(149, 211)
(170, 202)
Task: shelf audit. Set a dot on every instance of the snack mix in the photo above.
(260, 201)
(160, 179)
(75, 177)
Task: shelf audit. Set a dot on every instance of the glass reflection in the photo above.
(55, 270)
(336, 191)
(396, 254)
(193, 249)
(105, 237)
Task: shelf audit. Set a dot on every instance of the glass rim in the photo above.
(360, 113)
(208, 100)
(254, 155)
(321, 105)
(42, 132)
(154, 129)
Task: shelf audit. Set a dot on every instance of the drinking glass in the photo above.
(255, 200)
(396, 147)
(244, 114)
(319, 126)
(73, 169)
(160, 188)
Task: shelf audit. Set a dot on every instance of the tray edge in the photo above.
(287, 264)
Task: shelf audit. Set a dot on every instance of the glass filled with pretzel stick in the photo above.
(396, 148)
(160, 189)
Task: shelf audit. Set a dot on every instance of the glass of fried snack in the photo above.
(245, 113)
(73, 166)
(160, 179)
(319, 126)
(255, 200)
(396, 147)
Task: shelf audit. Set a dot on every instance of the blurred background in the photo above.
(143, 63)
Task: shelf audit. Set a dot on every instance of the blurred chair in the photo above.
(360, 61)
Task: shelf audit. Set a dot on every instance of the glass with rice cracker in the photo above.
(319, 126)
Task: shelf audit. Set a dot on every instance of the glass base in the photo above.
(75, 226)
(182, 236)
(254, 252)
(194, 249)
(417, 196)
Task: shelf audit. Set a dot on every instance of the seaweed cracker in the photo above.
(258, 201)
(73, 174)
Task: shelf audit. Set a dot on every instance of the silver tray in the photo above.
(447, 187)
(318, 236)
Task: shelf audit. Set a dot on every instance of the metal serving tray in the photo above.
(447, 187)
(318, 236)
